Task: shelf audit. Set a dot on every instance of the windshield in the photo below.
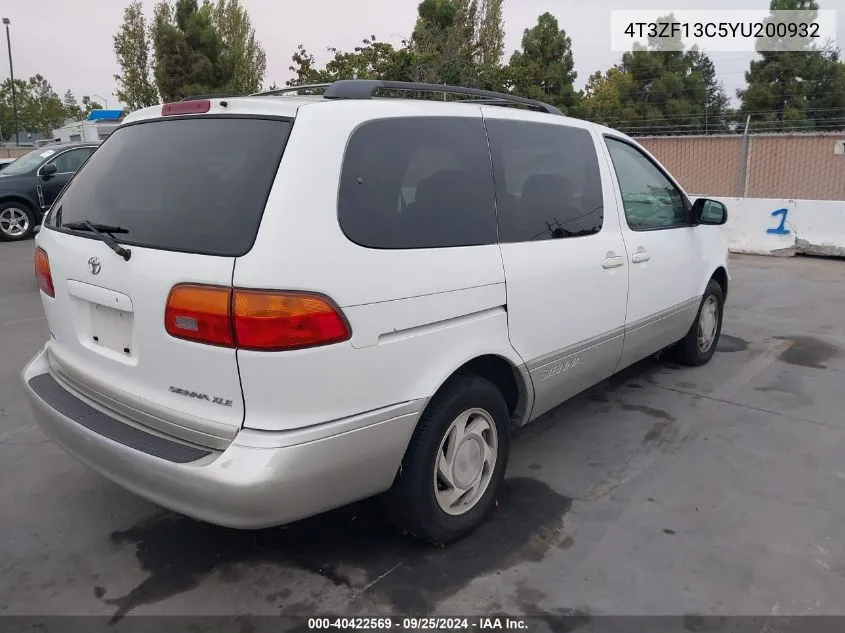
(28, 162)
(195, 185)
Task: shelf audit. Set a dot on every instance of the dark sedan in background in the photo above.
(29, 185)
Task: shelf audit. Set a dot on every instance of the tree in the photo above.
(444, 42)
(544, 69)
(776, 83)
(602, 99)
(190, 55)
(72, 109)
(243, 50)
(660, 88)
(453, 42)
(89, 105)
(7, 119)
(490, 35)
(40, 109)
(43, 109)
(304, 68)
(372, 59)
(131, 46)
(717, 105)
(826, 90)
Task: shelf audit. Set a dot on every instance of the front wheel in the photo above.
(454, 464)
(16, 221)
(699, 345)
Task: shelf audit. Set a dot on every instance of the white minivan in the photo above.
(265, 307)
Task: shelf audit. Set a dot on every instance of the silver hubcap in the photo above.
(708, 323)
(14, 222)
(466, 460)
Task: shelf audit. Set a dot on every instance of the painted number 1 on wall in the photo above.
(780, 229)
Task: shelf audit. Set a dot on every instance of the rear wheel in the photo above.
(454, 464)
(699, 345)
(16, 221)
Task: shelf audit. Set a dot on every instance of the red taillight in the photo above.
(253, 319)
(200, 313)
(200, 106)
(42, 272)
(281, 320)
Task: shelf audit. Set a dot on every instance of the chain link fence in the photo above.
(791, 166)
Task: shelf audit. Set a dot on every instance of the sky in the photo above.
(70, 41)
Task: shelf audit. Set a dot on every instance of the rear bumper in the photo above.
(262, 479)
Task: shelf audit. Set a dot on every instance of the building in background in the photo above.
(97, 127)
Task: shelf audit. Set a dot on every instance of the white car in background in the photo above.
(265, 307)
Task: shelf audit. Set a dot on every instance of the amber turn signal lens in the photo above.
(200, 313)
(42, 272)
(278, 320)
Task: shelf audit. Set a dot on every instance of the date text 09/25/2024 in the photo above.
(481, 623)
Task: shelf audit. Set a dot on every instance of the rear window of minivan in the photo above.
(195, 185)
(418, 182)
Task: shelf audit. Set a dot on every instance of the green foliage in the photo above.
(490, 36)
(190, 55)
(88, 104)
(444, 43)
(372, 59)
(72, 109)
(198, 48)
(243, 50)
(39, 107)
(658, 88)
(131, 46)
(602, 98)
(825, 92)
(453, 42)
(799, 90)
(544, 69)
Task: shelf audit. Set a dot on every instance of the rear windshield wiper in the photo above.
(102, 232)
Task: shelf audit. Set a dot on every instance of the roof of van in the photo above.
(286, 101)
(287, 106)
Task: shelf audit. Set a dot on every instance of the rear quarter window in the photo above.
(548, 183)
(196, 185)
(418, 182)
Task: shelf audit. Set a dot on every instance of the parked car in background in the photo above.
(5, 162)
(30, 184)
(262, 308)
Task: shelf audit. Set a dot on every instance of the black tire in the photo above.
(688, 351)
(7, 232)
(411, 503)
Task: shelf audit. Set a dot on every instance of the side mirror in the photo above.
(48, 170)
(36, 229)
(706, 211)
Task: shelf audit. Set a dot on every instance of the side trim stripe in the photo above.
(558, 355)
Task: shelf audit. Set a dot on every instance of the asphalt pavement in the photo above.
(663, 491)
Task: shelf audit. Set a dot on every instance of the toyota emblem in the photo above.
(94, 265)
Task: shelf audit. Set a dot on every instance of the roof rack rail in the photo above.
(286, 89)
(208, 96)
(364, 89)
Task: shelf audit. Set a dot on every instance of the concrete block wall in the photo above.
(784, 227)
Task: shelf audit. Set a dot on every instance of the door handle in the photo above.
(612, 262)
(640, 256)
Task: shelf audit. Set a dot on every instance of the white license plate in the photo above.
(112, 329)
